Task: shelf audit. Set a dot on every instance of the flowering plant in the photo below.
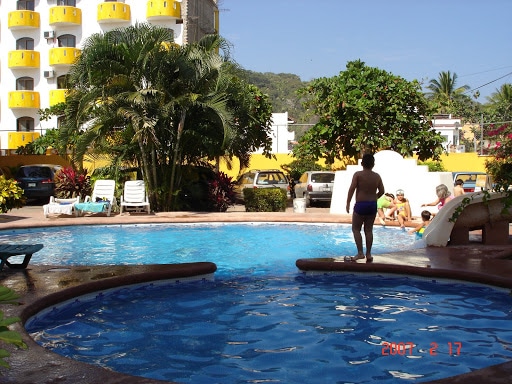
(500, 147)
(220, 192)
(70, 183)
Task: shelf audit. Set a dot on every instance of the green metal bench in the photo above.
(8, 250)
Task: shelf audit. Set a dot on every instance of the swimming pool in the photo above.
(350, 329)
(259, 248)
(329, 328)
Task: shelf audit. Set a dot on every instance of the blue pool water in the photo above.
(301, 329)
(261, 320)
(235, 248)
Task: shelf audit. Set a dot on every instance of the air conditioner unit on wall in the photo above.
(49, 74)
(49, 34)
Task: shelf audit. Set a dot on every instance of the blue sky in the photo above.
(414, 39)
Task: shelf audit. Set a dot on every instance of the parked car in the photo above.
(37, 180)
(470, 180)
(315, 186)
(265, 178)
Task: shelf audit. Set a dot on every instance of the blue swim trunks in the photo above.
(366, 208)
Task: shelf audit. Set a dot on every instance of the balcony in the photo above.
(57, 96)
(113, 12)
(23, 19)
(65, 16)
(23, 99)
(63, 56)
(22, 58)
(18, 139)
(163, 10)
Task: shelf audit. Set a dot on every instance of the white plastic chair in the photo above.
(134, 197)
(102, 193)
(60, 206)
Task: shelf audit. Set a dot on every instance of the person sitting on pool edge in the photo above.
(402, 209)
(368, 187)
(443, 196)
(425, 221)
(386, 201)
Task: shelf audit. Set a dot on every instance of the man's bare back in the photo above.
(367, 184)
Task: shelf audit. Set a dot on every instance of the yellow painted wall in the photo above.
(452, 162)
(18, 160)
(464, 162)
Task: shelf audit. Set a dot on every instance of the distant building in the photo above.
(281, 136)
(42, 39)
(449, 128)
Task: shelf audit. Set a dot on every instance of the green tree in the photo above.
(445, 93)
(157, 106)
(367, 109)
(499, 105)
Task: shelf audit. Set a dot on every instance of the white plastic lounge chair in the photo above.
(134, 197)
(102, 198)
(60, 206)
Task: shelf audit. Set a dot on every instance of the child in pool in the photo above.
(425, 221)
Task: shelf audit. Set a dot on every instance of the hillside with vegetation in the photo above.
(282, 91)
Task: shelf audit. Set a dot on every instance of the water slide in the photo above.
(478, 213)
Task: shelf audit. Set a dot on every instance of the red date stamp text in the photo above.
(407, 348)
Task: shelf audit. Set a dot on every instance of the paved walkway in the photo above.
(42, 286)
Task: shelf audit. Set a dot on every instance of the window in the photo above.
(171, 34)
(25, 124)
(69, 3)
(25, 5)
(62, 82)
(67, 41)
(270, 178)
(60, 121)
(25, 43)
(322, 178)
(25, 84)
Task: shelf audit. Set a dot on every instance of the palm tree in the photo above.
(502, 95)
(113, 90)
(500, 103)
(444, 91)
(155, 104)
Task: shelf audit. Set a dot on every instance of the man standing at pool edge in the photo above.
(368, 187)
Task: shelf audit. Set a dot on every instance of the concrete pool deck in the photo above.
(40, 286)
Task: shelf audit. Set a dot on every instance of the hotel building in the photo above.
(41, 39)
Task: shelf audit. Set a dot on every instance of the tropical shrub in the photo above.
(11, 195)
(220, 192)
(433, 166)
(265, 200)
(8, 296)
(70, 183)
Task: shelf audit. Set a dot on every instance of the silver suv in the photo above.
(315, 186)
(265, 178)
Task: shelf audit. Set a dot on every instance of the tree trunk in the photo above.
(176, 156)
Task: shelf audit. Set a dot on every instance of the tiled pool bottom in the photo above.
(365, 314)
